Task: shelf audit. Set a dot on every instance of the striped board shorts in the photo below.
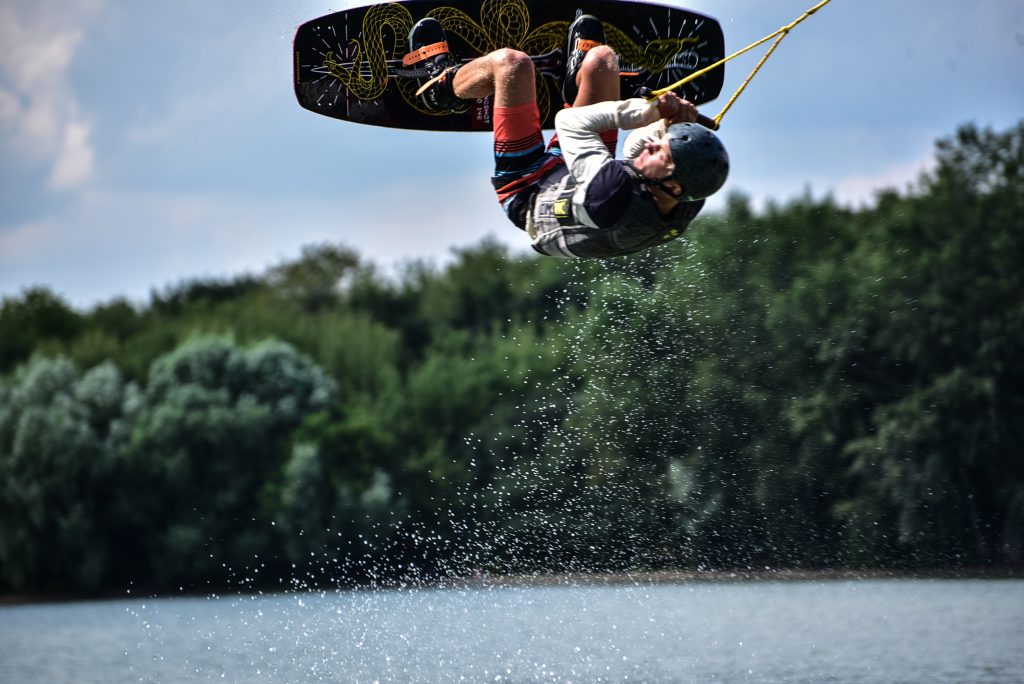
(521, 158)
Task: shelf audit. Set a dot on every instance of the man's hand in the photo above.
(674, 109)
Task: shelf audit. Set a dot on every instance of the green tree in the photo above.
(37, 322)
(60, 433)
(211, 433)
(943, 316)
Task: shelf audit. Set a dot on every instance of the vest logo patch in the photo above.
(561, 208)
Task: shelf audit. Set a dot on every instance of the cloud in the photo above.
(74, 163)
(40, 121)
(855, 189)
(859, 189)
(126, 243)
(26, 240)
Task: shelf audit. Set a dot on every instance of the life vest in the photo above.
(557, 230)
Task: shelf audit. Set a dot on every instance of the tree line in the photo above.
(808, 385)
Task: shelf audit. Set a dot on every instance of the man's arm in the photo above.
(579, 131)
(638, 139)
(579, 128)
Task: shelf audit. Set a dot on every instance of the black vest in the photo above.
(633, 222)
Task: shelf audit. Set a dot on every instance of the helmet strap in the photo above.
(660, 184)
(655, 182)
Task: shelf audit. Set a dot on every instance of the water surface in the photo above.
(810, 631)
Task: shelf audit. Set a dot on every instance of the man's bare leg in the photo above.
(509, 76)
(506, 74)
(598, 77)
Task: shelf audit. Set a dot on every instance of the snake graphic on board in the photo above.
(503, 23)
(374, 51)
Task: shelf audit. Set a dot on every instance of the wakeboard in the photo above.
(348, 65)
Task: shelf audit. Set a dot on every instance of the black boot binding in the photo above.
(584, 33)
(428, 49)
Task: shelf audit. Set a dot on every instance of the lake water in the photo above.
(821, 631)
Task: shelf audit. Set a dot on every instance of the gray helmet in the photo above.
(702, 164)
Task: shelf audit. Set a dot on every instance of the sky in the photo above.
(144, 143)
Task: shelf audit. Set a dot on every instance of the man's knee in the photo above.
(600, 58)
(512, 61)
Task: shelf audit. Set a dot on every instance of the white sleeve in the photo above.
(579, 131)
(638, 139)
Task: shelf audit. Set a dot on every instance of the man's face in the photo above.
(655, 162)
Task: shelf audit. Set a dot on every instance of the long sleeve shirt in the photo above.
(598, 206)
(599, 184)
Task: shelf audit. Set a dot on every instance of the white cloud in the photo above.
(859, 189)
(74, 163)
(119, 243)
(853, 189)
(39, 116)
(22, 243)
(194, 100)
(126, 243)
(9, 109)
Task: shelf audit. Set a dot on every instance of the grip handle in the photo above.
(705, 121)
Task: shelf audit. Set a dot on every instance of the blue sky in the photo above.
(143, 143)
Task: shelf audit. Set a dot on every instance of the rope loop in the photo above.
(778, 35)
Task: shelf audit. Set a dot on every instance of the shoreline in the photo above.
(566, 579)
(727, 576)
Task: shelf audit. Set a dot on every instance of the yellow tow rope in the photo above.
(778, 35)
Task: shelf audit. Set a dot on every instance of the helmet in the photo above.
(702, 164)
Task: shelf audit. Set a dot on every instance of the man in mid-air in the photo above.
(573, 197)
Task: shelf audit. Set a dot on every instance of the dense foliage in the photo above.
(808, 386)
